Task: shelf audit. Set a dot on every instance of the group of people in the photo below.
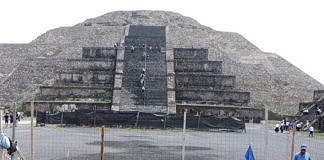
(148, 48)
(288, 126)
(133, 47)
(305, 111)
(5, 141)
(284, 126)
(9, 117)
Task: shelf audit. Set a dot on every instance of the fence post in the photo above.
(137, 117)
(14, 123)
(35, 110)
(184, 134)
(199, 120)
(165, 119)
(32, 130)
(293, 143)
(94, 116)
(102, 143)
(1, 114)
(62, 118)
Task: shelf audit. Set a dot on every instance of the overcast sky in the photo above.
(294, 29)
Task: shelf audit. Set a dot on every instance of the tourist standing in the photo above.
(18, 116)
(291, 126)
(11, 118)
(318, 111)
(132, 49)
(6, 117)
(307, 123)
(302, 155)
(6, 143)
(277, 127)
(305, 111)
(287, 126)
(311, 131)
(282, 127)
(298, 126)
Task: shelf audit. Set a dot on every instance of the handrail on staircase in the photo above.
(312, 105)
(317, 117)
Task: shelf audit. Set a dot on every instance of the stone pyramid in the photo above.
(272, 81)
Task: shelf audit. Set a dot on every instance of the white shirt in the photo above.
(277, 125)
(311, 129)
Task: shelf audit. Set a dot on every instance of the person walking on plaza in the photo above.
(6, 117)
(291, 126)
(287, 126)
(311, 131)
(302, 155)
(11, 118)
(282, 127)
(277, 127)
(18, 116)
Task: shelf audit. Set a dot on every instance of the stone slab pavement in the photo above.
(83, 143)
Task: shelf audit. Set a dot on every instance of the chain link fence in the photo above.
(96, 141)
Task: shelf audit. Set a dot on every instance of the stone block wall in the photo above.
(98, 52)
(213, 97)
(318, 94)
(206, 81)
(243, 113)
(198, 80)
(193, 54)
(65, 93)
(84, 80)
(198, 66)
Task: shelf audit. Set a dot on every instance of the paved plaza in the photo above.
(84, 143)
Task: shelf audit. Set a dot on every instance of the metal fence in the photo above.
(61, 142)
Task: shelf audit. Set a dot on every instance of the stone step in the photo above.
(193, 54)
(151, 85)
(153, 61)
(214, 87)
(205, 79)
(198, 66)
(221, 96)
(149, 41)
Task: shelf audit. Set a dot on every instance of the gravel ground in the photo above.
(84, 144)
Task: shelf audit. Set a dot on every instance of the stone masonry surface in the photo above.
(271, 80)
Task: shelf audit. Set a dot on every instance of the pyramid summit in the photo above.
(184, 64)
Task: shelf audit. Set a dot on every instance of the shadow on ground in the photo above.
(144, 150)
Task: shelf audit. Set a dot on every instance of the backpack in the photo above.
(12, 148)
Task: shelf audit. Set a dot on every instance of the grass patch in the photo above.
(316, 135)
